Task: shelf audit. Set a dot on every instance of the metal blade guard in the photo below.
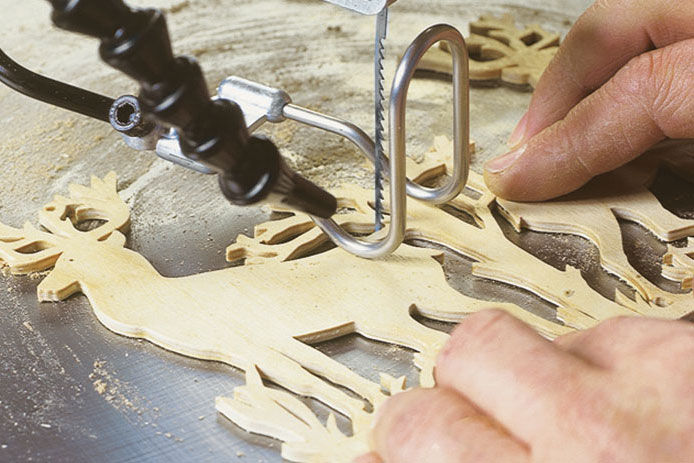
(262, 104)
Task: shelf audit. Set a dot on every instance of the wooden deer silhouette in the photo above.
(496, 257)
(592, 212)
(258, 318)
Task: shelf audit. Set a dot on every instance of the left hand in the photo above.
(622, 81)
(619, 392)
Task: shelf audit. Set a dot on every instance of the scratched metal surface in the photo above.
(70, 390)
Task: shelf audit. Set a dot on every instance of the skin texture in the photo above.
(622, 81)
(619, 392)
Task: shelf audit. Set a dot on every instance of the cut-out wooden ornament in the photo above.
(259, 318)
(593, 213)
(678, 264)
(263, 316)
(499, 51)
(497, 258)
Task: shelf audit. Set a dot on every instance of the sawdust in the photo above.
(117, 393)
(100, 387)
(39, 275)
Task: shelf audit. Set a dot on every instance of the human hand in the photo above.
(619, 392)
(622, 81)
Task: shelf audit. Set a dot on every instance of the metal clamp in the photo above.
(261, 103)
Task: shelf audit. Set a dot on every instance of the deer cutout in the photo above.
(500, 51)
(276, 413)
(497, 258)
(592, 213)
(678, 264)
(258, 318)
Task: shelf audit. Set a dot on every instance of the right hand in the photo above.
(622, 391)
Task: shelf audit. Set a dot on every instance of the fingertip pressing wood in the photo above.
(592, 213)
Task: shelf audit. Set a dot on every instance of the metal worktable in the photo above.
(70, 390)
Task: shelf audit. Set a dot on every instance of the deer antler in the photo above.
(500, 50)
(100, 201)
(29, 250)
(678, 264)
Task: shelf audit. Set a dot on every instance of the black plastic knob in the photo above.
(174, 92)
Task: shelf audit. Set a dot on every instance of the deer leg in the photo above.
(407, 332)
(281, 365)
(320, 364)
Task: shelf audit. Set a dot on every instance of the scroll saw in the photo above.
(175, 116)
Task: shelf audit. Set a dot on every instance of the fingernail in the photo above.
(505, 161)
(518, 133)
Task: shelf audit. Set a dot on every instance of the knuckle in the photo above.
(474, 332)
(671, 87)
(482, 326)
(622, 322)
(634, 80)
(605, 421)
(660, 82)
(680, 343)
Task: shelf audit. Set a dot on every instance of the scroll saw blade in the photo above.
(379, 53)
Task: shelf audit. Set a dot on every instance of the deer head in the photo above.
(71, 228)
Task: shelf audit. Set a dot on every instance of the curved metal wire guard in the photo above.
(400, 186)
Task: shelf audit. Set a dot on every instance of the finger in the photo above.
(511, 373)
(439, 425)
(624, 341)
(605, 38)
(368, 458)
(650, 99)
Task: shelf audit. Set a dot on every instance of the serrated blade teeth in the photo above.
(379, 55)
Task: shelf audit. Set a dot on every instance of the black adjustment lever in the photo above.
(174, 92)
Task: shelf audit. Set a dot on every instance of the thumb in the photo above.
(648, 100)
